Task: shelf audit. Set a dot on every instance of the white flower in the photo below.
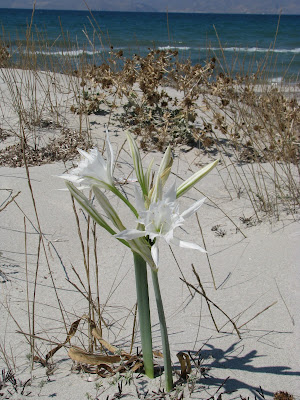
(160, 220)
(93, 169)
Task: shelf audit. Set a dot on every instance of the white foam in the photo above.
(71, 53)
(79, 52)
(276, 81)
(173, 48)
(257, 50)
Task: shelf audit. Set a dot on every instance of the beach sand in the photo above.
(255, 264)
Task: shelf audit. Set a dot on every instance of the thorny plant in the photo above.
(155, 115)
(243, 118)
(139, 82)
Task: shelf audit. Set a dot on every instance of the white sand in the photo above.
(251, 273)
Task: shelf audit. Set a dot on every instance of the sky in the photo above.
(209, 6)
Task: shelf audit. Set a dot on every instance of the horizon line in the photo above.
(149, 12)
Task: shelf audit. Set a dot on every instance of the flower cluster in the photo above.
(93, 169)
(157, 213)
(160, 220)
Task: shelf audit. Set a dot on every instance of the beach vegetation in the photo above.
(165, 104)
(237, 115)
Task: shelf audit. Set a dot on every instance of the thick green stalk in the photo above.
(141, 281)
(164, 332)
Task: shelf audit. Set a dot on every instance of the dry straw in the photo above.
(250, 124)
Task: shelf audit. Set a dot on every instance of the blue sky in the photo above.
(230, 6)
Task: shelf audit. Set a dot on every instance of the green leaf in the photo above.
(137, 162)
(121, 196)
(162, 174)
(163, 332)
(191, 181)
(141, 281)
(114, 190)
(108, 208)
(90, 209)
(166, 163)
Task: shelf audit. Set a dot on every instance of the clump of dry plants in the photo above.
(148, 109)
(283, 396)
(62, 148)
(244, 120)
(4, 55)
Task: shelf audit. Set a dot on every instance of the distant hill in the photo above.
(202, 6)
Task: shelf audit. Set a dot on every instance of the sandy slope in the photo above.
(251, 273)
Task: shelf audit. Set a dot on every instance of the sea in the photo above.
(242, 43)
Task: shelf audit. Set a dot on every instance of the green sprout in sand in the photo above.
(157, 216)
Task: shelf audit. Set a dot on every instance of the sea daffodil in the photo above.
(157, 216)
(93, 169)
(160, 220)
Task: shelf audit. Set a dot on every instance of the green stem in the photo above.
(163, 331)
(141, 281)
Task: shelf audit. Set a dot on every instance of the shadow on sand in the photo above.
(213, 359)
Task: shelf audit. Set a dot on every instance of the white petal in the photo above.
(70, 177)
(129, 234)
(84, 154)
(152, 235)
(123, 181)
(169, 236)
(190, 211)
(155, 252)
(98, 159)
(187, 245)
(139, 200)
(170, 196)
(157, 191)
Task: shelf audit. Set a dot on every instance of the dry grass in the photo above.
(250, 124)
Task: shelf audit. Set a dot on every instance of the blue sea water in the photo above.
(240, 42)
